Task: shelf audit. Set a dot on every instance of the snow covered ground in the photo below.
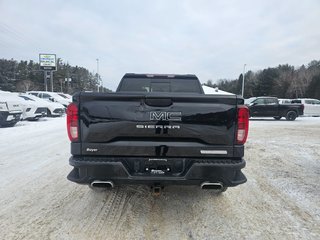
(281, 199)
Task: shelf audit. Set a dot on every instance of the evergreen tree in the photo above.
(313, 90)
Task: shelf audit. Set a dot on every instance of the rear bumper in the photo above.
(133, 171)
(9, 118)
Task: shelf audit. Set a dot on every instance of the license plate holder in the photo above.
(163, 166)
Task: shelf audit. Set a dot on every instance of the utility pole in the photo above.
(68, 77)
(242, 92)
(98, 73)
(45, 81)
(51, 80)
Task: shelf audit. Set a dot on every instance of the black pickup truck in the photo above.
(157, 130)
(270, 107)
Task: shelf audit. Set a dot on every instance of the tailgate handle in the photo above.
(159, 102)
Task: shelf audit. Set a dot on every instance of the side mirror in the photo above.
(253, 104)
(51, 99)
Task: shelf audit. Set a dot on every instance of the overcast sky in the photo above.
(212, 39)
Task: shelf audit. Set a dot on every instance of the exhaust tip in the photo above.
(102, 184)
(212, 185)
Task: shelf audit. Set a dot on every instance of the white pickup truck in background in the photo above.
(10, 110)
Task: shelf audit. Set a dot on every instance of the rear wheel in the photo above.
(277, 118)
(291, 116)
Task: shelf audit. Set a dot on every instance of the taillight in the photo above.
(243, 124)
(72, 122)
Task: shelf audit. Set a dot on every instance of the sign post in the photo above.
(48, 64)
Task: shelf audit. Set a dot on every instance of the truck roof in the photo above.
(181, 83)
(162, 76)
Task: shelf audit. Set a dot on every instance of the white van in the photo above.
(311, 106)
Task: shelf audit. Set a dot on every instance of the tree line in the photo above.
(283, 81)
(26, 76)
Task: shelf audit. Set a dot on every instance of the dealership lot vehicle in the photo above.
(10, 109)
(157, 130)
(10, 113)
(53, 109)
(270, 107)
(51, 96)
(31, 110)
(279, 201)
(311, 106)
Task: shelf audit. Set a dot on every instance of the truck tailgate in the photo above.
(153, 125)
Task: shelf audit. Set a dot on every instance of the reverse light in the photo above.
(72, 122)
(243, 124)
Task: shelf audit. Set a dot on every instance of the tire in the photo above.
(277, 118)
(49, 114)
(33, 119)
(291, 116)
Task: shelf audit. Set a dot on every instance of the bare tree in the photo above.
(24, 86)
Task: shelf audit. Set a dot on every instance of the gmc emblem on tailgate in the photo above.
(165, 116)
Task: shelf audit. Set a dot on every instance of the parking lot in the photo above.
(279, 201)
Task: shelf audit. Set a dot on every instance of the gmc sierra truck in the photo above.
(157, 130)
(270, 107)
